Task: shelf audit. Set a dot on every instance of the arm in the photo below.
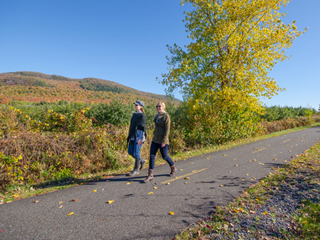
(166, 131)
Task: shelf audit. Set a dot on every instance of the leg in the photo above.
(135, 152)
(164, 154)
(153, 151)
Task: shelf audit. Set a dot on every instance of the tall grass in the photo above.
(44, 141)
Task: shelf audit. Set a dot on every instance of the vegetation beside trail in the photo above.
(284, 205)
(47, 146)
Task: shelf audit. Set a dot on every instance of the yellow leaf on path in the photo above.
(94, 190)
(110, 201)
(187, 178)
(242, 179)
(15, 195)
(265, 213)
(225, 155)
(191, 163)
(221, 185)
(60, 206)
(150, 193)
(128, 183)
(36, 201)
(60, 202)
(236, 165)
(171, 213)
(74, 200)
(236, 210)
(155, 187)
(181, 170)
(70, 213)
(168, 183)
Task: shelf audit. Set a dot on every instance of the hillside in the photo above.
(37, 87)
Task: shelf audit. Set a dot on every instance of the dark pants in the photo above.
(164, 153)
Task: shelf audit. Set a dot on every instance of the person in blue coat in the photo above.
(137, 136)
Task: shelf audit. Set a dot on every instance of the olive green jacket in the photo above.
(162, 128)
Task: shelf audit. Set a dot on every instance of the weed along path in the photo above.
(125, 208)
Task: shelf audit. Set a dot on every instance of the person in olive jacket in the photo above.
(160, 140)
(137, 136)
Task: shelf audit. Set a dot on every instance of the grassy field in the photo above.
(16, 192)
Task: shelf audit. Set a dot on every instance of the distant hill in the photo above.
(36, 87)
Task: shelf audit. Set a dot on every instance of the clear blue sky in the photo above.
(125, 41)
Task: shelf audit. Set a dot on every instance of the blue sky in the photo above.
(125, 41)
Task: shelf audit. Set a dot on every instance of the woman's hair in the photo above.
(142, 110)
(163, 104)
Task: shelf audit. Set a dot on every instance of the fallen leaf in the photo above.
(2, 230)
(181, 170)
(275, 159)
(171, 213)
(236, 165)
(150, 193)
(191, 163)
(242, 179)
(70, 213)
(221, 185)
(225, 155)
(236, 210)
(155, 187)
(60, 206)
(208, 226)
(36, 201)
(254, 160)
(94, 190)
(247, 174)
(168, 183)
(60, 202)
(265, 213)
(110, 201)
(187, 178)
(74, 200)
(128, 183)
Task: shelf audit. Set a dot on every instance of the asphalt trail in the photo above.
(136, 214)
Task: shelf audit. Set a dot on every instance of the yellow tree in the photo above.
(223, 71)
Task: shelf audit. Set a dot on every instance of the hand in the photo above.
(128, 139)
(163, 145)
(139, 142)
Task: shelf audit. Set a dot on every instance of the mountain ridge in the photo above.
(36, 87)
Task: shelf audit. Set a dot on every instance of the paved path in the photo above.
(136, 214)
